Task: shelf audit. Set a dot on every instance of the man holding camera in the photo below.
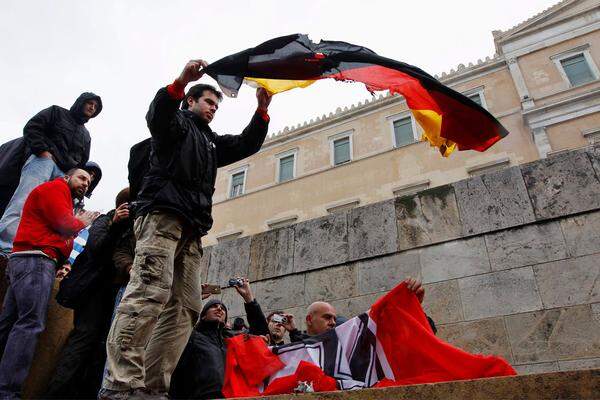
(201, 368)
(279, 323)
(163, 298)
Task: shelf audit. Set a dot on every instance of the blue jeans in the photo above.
(117, 302)
(36, 171)
(23, 317)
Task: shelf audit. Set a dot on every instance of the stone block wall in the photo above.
(510, 261)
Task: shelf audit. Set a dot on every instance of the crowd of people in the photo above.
(141, 328)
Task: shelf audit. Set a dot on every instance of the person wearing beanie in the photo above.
(54, 141)
(96, 174)
(201, 368)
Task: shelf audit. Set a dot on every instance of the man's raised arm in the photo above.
(163, 108)
(232, 148)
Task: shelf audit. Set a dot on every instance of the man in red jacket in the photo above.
(44, 240)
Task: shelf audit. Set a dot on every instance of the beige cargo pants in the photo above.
(161, 304)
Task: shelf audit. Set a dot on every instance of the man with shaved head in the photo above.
(320, 318)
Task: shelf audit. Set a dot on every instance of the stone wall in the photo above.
(510, 261)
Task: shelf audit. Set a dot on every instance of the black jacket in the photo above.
(201, 368)
(184, 160)
(94, 265)
(62, 133)
(59, 131)
(138, 166)
(13, 155)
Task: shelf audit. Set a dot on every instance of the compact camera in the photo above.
(279, 319)
(235, 282)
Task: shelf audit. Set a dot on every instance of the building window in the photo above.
(577, 70)
(341, 151)
(476, 94)
(286, 165)
(238, 181)
(286, 168)
(476, 98)
(403, 132)
(576, 66)
(341, 148)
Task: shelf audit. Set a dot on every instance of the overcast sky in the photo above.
(125, 51)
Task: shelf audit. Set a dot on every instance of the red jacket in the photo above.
(47, 222)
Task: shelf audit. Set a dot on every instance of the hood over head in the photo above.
(77, 107)
(91, 166)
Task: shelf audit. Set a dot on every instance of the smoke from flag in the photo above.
(448, 118)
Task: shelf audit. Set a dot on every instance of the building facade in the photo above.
(543, 85)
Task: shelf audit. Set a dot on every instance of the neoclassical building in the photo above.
(543, 84)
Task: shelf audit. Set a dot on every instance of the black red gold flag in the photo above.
(448, 118)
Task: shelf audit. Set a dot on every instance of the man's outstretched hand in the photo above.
(263, 98)
(245, 290)
(416, 286)
(87, 217)
(192, 71)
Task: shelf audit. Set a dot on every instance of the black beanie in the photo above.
(211, 303)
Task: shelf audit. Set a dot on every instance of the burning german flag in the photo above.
(448, 118)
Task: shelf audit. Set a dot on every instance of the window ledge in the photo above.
(343, 205)
(583, 83)
(411, 188)
(557, 152)
(490, 166)
(281, 222)
(227, 236)
(592, 135)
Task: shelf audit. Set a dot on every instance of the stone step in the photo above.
(583, 384)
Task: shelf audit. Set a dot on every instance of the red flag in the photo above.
(414, 354)
(392, 345)
(249, 361)
(306, 372)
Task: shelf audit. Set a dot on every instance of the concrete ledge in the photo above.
(562, 186)
(555, 385)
